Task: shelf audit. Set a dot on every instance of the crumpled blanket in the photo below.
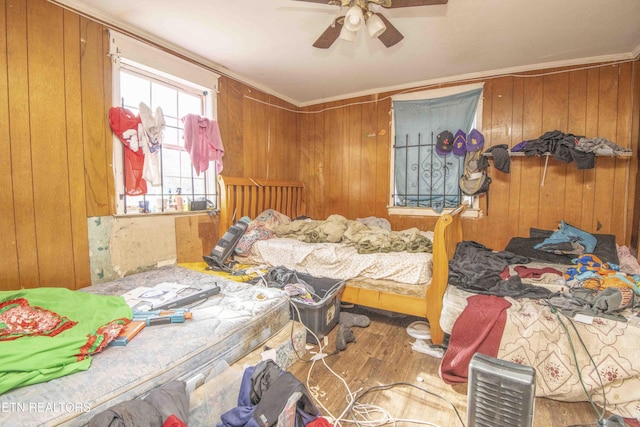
(366, 238)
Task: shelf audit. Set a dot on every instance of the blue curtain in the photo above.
(423, 178)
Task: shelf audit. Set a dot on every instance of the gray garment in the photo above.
(132, 413)
(606, 303)
(171, 399)
(600, 146)
(152, 411)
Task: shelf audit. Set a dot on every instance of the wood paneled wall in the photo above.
(345, 154)
(56, 145)
(54, 83)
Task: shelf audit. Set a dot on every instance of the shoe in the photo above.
(345, 336)
(351, 319)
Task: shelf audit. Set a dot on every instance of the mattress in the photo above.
(342, 262)
(572, 355)
(223, 328)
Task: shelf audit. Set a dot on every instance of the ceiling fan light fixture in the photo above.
(375, 26)
(347, 35)
(354, 18)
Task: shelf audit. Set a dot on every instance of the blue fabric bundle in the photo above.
(568, 240)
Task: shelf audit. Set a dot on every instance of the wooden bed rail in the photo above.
(240, 197)
(447, 234)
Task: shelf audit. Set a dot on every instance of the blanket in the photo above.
(563, 351)
(365, 238)
(477, 330)
(46, 333)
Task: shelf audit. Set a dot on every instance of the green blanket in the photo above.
(46, 333)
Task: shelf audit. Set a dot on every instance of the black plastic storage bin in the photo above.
(320, 317)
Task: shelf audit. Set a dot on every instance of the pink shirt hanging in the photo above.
(203, 142)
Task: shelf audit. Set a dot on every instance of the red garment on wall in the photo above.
(125, 125)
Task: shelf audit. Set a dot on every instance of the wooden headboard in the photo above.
(240, 197)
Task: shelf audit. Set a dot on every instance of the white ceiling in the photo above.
(268, 43)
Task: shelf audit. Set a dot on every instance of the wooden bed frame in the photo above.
(240, 197)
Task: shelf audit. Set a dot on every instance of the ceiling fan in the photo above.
(358, 14)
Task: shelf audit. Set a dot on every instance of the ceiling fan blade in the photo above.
(330, 35)
(411, 3)
(391, 35)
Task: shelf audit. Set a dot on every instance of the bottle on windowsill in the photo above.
(179, 206)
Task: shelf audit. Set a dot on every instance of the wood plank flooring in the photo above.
(381, 356)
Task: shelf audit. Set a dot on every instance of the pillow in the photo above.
(261, 228)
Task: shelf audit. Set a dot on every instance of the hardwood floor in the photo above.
(382, 355)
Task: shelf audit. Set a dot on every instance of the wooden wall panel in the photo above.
(605, 167)
(383, 158)
(49, 161)
(516, 187)
(622, 209)
(21, 170)
(306, 152)
(576, 124)
(335, 127)
(318, 161)
(595, 102)
(554, 117)
(499, 109)
(588, 188)
(98, 149)
(353, 180)
(9, 272)
(369, 152)
(75, 149)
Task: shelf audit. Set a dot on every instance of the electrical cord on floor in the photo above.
(356, 406)
(359, 412)
(558, 314)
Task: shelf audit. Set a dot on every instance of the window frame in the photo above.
(472, 202)
(145, 60)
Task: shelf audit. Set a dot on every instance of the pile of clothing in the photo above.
(567, 147)
(265, 392)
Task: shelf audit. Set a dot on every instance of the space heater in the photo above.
(500, 393)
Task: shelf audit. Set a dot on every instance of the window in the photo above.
(172, 97)
(424, 182)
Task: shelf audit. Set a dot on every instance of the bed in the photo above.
(562, 338)
(250, 197)
(224, 328)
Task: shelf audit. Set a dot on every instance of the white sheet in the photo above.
(338, 261)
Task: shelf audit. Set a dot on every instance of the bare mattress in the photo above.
(225, 327)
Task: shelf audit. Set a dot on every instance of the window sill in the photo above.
(409, 211)
(213, 212)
